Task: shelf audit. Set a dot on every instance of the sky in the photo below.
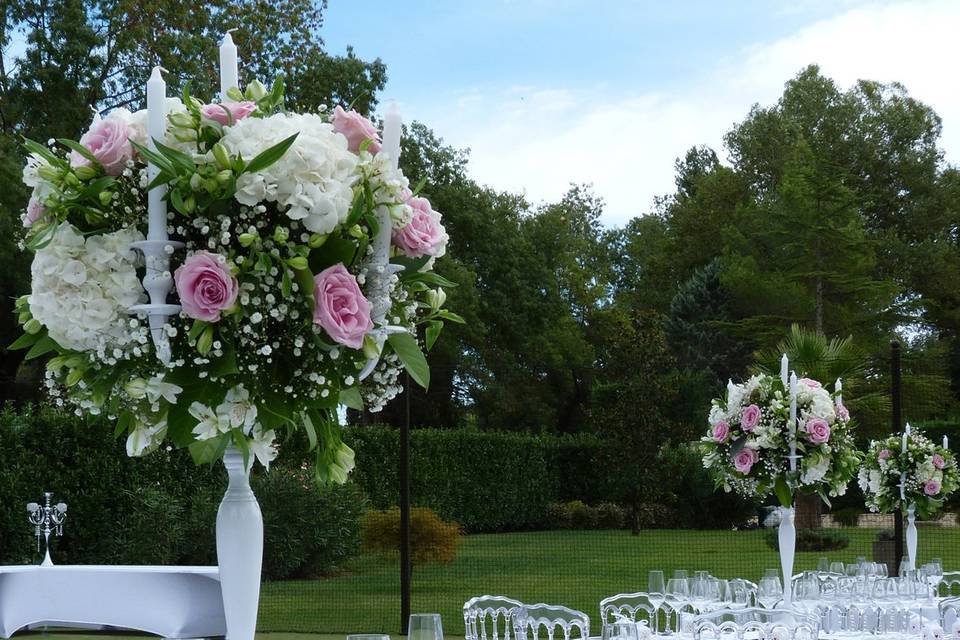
(546, 93)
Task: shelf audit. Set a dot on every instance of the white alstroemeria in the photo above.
(263, 445)
(237, 410)
(145, 439)
(813, 471)
(209, 424)
(156, 388)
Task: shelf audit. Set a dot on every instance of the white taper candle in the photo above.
(945, 441)
(784, 365)
(229, 72)
(838, 387)
(793, 421)
(906, 435)
(156, 130)
(392, 129)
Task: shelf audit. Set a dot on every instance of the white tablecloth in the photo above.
(173, 602)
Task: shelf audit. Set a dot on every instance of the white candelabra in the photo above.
(381, 271)
(157, 248)
(46, 519)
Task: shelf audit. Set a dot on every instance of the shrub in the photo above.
(812, 540)
(431, 539)
(653, 515)
(847, 516)
(577, 515)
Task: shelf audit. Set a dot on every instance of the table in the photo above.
(173, 602)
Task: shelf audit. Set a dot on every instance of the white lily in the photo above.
(264, 446)
(209, 425)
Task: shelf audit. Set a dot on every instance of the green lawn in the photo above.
(575, 568)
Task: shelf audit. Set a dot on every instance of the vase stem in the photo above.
(239, 549)
(912, 536)
(787, 537)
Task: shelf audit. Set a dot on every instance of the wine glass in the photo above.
(837, 567)
(656, 589)
(738, 594)
(676, 597)
(823, 564)
(769, 592)
(681, 574)
(933, 575)
(698, 593)
(425, 626)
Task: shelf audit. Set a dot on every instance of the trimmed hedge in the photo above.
(160, 509)
(492, 481)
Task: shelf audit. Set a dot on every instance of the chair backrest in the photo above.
(499, 610)
(761, 624)
(635, 606)
(949, 610)
(950, 585)
(530, 618)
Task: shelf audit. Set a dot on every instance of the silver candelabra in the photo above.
(47, 519)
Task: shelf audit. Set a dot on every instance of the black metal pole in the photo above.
(897, 414)
(405, 566)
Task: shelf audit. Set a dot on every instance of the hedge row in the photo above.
(497, 481)
(159, 509)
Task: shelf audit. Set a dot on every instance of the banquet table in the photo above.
(173, 602)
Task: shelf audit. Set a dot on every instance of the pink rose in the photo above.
(355, 129)
(932, 487)
(721, 431)
(938, 461)
(34, 212)
(109, 142)
(218, 112)
(813, 384)
(884, 454)
(341, 309)
(750, 417)
(818, 430)
(423, 235)
(745, 459)
(205, 286)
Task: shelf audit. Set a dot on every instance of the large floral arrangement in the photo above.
(928, 472)
(277, 212)
(747, 447)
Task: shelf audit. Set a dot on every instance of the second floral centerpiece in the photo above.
(780, 436)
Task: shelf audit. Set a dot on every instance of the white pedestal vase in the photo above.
(239, 549)
(787, 538)
(912, 535)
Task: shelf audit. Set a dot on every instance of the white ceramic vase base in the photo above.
(239, 550)
(787, 538)
(912, 536)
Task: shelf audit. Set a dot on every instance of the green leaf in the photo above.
(42, 346)
(407, 349)
(196, 329)
(82, 150)
(226, 364)
(351, 398)
(411, 266)
(156, 159)
(451, 316)
(208, 451)
(429, 277)
(310, 429)
(43, 152)
(24, 341)
(286, 286)
(305, 281)
(782, 490)
(178, 158)
(271, 155)
(433, 332)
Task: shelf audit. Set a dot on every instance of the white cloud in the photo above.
(539, 139)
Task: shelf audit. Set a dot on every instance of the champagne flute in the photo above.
(656, 590)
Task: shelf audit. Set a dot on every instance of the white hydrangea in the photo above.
(314, 179)
(82, 288)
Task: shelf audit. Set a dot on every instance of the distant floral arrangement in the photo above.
(747, 447)
(277, 211)
(928, 472)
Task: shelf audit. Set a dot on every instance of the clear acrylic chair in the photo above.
(489, 617)
(950, 585)
(949, 613)
(634, 606)
(531, 618)
(757, 624)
